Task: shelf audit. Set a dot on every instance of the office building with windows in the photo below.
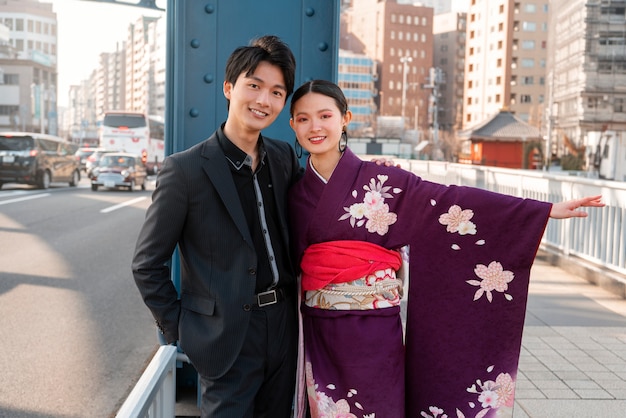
(356, 79)
(28, 66)
(505, 60)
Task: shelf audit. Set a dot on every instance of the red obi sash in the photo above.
(344, 261)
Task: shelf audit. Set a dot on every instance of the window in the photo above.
(529, 26)
(528, 44)
(525, 98)
(530, 8)
(527, 80)
(528, 63)
(618, 105)
(19, 25)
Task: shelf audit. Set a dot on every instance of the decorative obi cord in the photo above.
(350, 275)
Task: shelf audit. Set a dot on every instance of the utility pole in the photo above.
(435, 78)
(405, 67)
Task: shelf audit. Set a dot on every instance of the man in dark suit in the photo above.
(223, 202)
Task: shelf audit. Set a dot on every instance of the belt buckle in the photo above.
(267, 298)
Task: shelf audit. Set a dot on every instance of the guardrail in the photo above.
(154, 395)
(599, 239)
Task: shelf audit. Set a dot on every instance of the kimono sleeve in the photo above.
(468, 284)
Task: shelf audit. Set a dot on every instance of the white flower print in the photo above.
(373, 212)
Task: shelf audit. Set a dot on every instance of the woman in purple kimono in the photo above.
(469, 257)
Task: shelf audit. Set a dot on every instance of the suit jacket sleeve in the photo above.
(155, 244)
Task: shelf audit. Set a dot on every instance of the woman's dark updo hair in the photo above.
(327, 88)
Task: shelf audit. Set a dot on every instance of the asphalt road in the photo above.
(75, 334)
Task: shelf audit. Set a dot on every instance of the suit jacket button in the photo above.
(246, 307)
(252, 271)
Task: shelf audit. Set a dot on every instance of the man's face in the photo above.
(256, 100)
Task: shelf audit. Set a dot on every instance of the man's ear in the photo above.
(227, 88)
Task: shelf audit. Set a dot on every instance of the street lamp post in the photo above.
(405, 67)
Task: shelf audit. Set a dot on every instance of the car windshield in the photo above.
(116, 160)
(15, 143)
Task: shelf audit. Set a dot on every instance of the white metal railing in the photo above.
(599, 239)
(154, 395)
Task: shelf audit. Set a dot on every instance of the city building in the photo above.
(398, 37)
(449, 30)
(28, 66)
(505, 60)
(139, 76)
(586, 90)
(356, 79)
(130, 78)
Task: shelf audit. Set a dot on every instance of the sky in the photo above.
(85, 30)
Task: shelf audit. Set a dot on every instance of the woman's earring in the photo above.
(343, 141)
(298, 148)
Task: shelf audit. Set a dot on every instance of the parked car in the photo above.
(37, 159)
(83, 153)
(94, 158)
(119, 169)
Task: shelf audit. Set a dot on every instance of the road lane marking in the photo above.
(121, 205)
(21, 199)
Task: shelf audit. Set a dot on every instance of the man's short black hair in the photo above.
(268, 48)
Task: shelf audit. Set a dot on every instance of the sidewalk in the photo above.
(573, 360)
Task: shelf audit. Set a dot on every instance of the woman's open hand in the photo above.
(568, 209)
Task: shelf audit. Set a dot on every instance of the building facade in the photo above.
(398, 37)
(356, 79)
(505, 60)
(587, 78)
(28, 67)
(449, 30)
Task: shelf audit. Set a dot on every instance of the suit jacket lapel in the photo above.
(216, 168)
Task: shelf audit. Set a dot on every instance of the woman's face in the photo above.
(318, 123)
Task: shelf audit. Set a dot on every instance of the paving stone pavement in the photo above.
(573, 359)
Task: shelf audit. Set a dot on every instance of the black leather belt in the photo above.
(270, 297)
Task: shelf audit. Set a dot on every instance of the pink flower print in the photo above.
(379, 220)
(343, 410)
(458, 220)
(494, 277)
(373, 200)
(505, 389)
(373, 212)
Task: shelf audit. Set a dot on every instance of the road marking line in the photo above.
(20, 199)
(121, 205)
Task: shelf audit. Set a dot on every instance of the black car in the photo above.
(37, 159)
(119, 169)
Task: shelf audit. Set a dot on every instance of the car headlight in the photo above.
(125, 173)
(95, 172)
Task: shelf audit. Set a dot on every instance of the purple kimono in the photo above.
(470, 256)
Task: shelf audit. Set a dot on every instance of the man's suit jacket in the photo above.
(196, 206)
